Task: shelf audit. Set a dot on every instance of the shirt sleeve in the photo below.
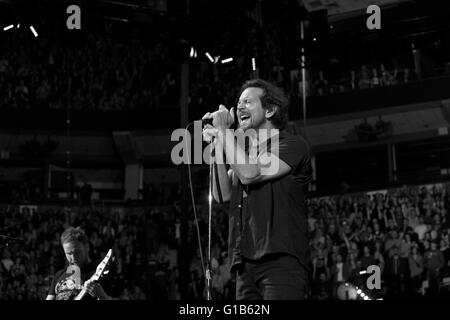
(51, 289)
(293, 150)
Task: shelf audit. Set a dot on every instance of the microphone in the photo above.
(233, 126)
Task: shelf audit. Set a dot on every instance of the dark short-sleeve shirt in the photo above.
(64, 286)
(270, 217)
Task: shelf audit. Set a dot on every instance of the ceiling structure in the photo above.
(419, 121)
(346, 7)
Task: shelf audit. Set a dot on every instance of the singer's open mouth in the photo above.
(244, 117)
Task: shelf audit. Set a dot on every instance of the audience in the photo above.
(103, 73)
(348, 233)
(404, 231)
(382, 229)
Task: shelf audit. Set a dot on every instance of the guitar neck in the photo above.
(81, 294)
(97, 275)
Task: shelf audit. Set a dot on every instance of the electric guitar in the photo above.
(102, 269)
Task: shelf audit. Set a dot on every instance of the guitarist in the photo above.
(68, 282)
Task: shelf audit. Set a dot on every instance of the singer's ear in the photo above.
(271, 111)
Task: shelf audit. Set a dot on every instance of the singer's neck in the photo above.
(265, 130)
(267, 127)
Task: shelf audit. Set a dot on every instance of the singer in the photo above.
(268, 243)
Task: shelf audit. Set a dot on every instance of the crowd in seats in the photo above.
(403, 231)
(364, 77)
(101, 73)
(96, 74)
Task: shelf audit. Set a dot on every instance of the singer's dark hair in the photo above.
(272, 96)
(72, 234)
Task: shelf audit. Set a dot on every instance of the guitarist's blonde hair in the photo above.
(72, 234)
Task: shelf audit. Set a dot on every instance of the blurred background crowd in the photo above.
(126, 61)
(104, 73)
(404, 231)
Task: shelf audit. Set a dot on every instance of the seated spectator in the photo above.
(433, 264)
(7, 262)
(321, 289)
(396, 273)
(339, 274)
(367, 259)
(392, 243)
(415, 260)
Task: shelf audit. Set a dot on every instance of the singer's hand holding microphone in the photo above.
(222, 119)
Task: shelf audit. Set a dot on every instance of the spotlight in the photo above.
(8, 27)
(209, 57)
(34, 31)
(193, 53)
(216, 59)
(363, 272)
(253, 64)
(366, 298)
(227, 60)
(18, 25)
(358, 291)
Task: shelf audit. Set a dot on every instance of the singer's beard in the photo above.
(246, 124)
(251, 123)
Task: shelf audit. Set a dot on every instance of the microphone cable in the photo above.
(192, 189)
(193, 199)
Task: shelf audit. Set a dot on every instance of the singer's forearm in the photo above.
(238, 158)
(222, 174)
(224, 183)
